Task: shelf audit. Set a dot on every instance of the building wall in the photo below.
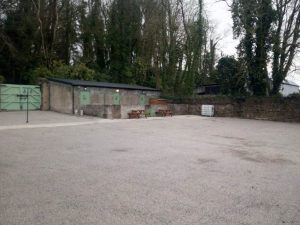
(286, 89)
(103, 111)
(101, 101)
(125, 109)
(45, 94)
(61, 97)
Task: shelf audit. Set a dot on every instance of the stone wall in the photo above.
(276, 109)
(287, 110)
(100, 101)
(45, 94)
(60, 98)
(103, 111)
(181, 109)
(104, 96)
(102, 104)
(125, 109)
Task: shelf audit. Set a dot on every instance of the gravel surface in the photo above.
(180, 170)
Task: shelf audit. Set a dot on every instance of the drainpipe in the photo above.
(73, 99)
(0, 96)
(49, 88)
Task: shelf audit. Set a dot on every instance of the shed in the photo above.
(210, 89)
(107, 100)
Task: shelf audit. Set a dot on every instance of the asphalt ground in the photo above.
(181, 170)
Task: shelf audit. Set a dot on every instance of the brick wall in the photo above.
(104, 111)
(276, 109)
(287, 110)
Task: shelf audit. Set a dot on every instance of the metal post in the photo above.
(27, 105)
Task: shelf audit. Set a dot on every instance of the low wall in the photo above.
(287, 110)
(275, 109)
(110, 111)
(103, 111)
(125, 109)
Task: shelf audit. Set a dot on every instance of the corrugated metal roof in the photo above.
(86, 83)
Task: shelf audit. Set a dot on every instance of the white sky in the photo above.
(220, 17)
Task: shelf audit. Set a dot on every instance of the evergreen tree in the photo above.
(252, 24)
(123, 39)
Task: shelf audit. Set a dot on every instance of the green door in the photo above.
(116, 98)
(14, 97)
(85, 98)
(142, 99)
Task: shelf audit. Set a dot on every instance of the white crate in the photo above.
(207, 110)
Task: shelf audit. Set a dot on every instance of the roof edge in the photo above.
(113, 85)
(287, 83)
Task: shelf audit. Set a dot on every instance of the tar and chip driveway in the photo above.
(181, 170)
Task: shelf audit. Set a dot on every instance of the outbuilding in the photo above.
(107, 100)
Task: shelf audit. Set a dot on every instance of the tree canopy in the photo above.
(167, 44)
(157, 43)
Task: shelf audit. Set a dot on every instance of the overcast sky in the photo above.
(220, 17)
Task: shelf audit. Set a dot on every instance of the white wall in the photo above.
(286, 89)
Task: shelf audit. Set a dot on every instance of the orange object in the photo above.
(158, 101)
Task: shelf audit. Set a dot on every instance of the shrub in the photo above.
(60, 70)
(81, 72)
(33, 76)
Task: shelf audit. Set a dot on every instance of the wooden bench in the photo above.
(164, 112)
(136, 114)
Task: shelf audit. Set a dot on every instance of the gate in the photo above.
(14, 97)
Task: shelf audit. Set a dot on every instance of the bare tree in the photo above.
(286, 39)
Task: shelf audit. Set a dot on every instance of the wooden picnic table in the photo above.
(136, 114)
(164, 112)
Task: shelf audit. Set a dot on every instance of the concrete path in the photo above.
(40, 117)
(44, 119)
(180, 170)
(47, 119)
